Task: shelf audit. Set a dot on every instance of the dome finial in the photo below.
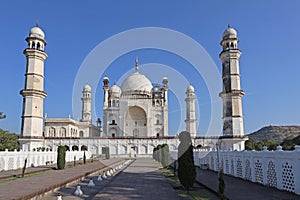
(37, 23)
(228, 24)
(136, 64)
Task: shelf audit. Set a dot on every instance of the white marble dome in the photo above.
(229, 33)
(87, 88)
(136, 82)
(115, 90)
(190, 88)
(36, 32)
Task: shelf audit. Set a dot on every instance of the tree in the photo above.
(61, 157)
(186, 167)
(289, 144)
(24, 167)
(159, 154)
(155, 153)
(165, 155)
(250, 144)
(221, 186)
(84, 158)
(271, 144)
(8, 141)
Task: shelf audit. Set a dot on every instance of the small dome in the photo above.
(136, 82)
(190, 88)
(115, 89)
(37, 32)
(156, 89)
(87, 88)
(229, 33)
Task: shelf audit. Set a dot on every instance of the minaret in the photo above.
(165, 87)
(86, 104)
(33, 92)
(105, 104)
(232, 93)
(191, 121)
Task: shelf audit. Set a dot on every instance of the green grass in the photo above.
(175, 183)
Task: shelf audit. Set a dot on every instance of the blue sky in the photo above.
(268, 31)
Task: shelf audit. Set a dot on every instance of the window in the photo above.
(62, 132)
(81, 134)
(52, 132)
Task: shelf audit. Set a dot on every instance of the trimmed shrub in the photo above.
(165, 155)
(61, 157)
(84, 158)
(159, 154)
(221, 186)
(186, 167)
(24, 168)
(155, 153)
(105, 150)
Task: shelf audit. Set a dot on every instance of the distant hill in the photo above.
(278, 133)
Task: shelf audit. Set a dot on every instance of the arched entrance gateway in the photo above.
(136, 122)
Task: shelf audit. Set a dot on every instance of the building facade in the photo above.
(135, 114)
(136, 109)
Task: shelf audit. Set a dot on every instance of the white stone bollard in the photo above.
(99, 178)
(59, 197)
(108, 174)
(91, 183)
(297, 147)
(104, 176)
(265, 148)
(279, 148)
(78, 191)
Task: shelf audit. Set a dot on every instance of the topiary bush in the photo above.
(154, 155)
(24, 167)
(105, 150)
(186, 167)
(165, 160)
(61, 157)
(159, 154)
(221, 186)
(84, 158)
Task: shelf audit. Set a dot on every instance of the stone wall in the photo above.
(15, 159)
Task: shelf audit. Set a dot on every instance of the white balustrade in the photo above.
(279, 169)
(15, 159)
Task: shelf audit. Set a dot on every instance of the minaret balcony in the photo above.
(232, 93)
(33, 92)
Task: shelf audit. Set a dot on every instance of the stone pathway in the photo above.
(239, 189)
(26, 187)
(141, 180)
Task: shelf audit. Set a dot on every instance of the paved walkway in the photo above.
(238, 189)
(24, 188)
(141, 180)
